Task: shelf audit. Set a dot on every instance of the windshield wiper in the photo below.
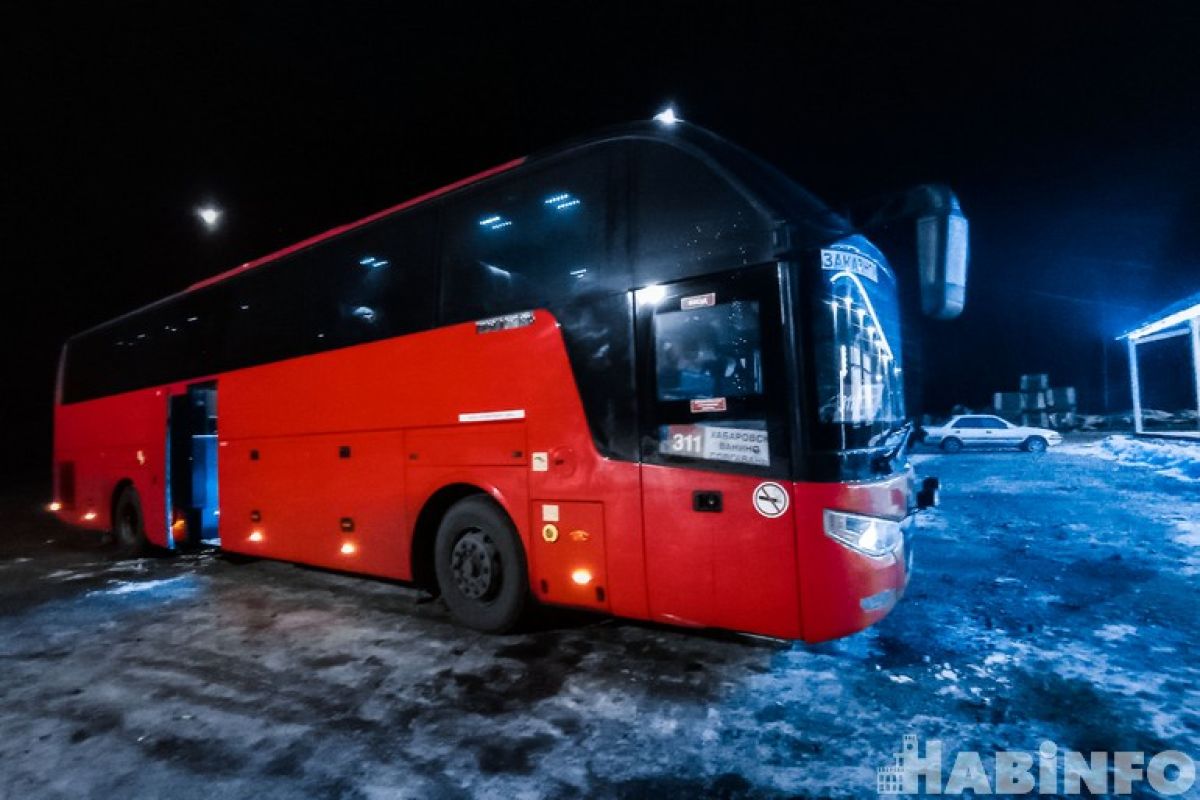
(882, 462)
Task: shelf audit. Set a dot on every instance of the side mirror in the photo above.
(942, 252)
(942, 248)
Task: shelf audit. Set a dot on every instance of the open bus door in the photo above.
(192, 489)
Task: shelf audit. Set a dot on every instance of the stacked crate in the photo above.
(1038, 404)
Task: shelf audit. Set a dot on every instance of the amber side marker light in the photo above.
(89, 516)
(582, 576)
(349, 548)
(55, 506)
(256, 536)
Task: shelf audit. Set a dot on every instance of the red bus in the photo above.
(643, 374)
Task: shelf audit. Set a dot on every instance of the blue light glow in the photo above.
(567, 204)
(371, 262)
(495, 222)
(365, 313)
(554, 199)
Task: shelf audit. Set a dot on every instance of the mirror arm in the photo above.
(919, 201)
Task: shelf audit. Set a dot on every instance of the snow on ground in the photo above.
(1053, 599)
(1171, 457)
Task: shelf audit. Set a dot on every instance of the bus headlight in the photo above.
(873, 536)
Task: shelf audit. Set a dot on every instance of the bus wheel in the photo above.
(952, 444)
(481, 566)
(129, 529)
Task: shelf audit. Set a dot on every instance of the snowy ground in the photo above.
(1055, 598)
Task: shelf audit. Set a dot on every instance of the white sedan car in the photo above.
(983, 430)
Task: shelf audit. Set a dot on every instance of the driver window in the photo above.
(707, 352)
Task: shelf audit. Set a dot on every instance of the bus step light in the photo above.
(55, 506)
(348, 548)
(256, 536)
(582, 577)
(89, 516)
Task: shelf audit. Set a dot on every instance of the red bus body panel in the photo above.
(329, 459)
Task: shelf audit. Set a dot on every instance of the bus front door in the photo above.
(720, 540)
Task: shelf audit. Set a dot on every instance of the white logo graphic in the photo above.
(770, 499)
(1046, 771)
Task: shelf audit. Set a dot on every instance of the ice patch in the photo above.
(127, 587)
(1189, 533)
(900, 679)
(1115, 633)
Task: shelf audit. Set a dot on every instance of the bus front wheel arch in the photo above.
(424, 573)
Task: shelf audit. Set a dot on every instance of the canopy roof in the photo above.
(1175, 314)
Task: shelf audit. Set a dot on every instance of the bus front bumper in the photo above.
(846, 587)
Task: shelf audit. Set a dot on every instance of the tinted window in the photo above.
(598, 334)
(992, 422)
(374, 283)
(169, 341)
(688, 219)
(968, 422)
(367, 285)
(529, 241)
(709, 351)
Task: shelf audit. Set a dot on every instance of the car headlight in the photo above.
(873, 536)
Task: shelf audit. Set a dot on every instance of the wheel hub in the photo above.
(475, 563)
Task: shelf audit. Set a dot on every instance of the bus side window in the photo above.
(534, 240)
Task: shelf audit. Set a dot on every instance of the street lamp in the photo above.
(209, 215)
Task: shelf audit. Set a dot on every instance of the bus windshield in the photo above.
(859, 374)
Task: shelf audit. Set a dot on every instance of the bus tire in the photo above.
(480, 566)
(1035, 444)
(128, 525)
(952, 444)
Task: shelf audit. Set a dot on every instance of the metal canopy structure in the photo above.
(1179, 319)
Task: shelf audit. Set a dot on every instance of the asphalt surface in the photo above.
(1054, 598)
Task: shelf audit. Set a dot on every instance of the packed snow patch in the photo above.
(1175, 459)
(1115, 633)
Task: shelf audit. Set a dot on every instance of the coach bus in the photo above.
(643, 374)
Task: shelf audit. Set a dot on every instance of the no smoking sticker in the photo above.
(770, 499)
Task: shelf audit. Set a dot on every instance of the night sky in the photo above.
(1070, 131)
